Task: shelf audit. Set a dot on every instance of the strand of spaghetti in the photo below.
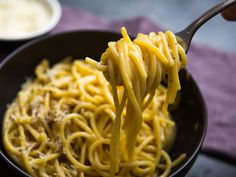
(42, 142)
(152, 48)
(59, 170)
(174, 163)
(127, 82)
(43, 160)
(166, 50)
(156, 131)
(125, 35)
(147, 156)
(114, 145)
(27, 164)
(76, 163)
(22, 136)
(144, 143)
(134, 105)
(168, 164)
(140, 66)
(68, 118)
(93, 162)
(149, 100)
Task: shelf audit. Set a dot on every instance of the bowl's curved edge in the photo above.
(13, 166)
(182, 171)
(42, 38)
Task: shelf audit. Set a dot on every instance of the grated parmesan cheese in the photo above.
(20, 18)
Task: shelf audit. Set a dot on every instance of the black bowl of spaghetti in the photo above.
(188, 113)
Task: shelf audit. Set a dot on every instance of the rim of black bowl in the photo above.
(28, 44)
(193, 156)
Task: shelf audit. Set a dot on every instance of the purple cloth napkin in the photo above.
(214, 70)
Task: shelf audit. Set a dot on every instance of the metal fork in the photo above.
(185, 36)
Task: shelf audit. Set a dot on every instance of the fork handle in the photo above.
(187, 34)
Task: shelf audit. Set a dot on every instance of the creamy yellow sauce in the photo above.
(21, 18)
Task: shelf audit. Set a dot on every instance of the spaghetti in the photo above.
(139, 66)
(69, 121)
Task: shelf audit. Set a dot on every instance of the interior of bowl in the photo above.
(189, 115)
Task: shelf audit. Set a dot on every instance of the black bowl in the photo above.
(190, 115)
